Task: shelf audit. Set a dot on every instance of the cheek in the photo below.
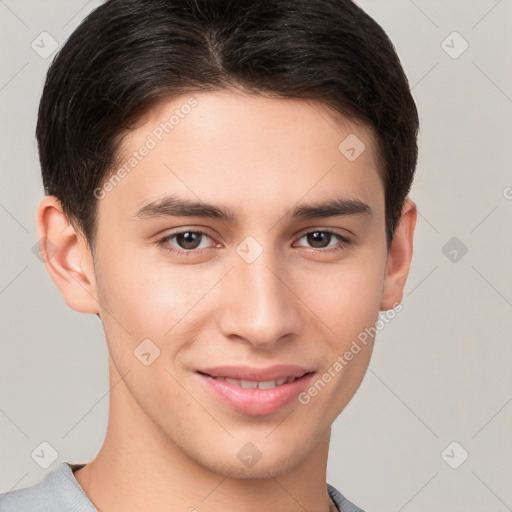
(149, 300)
(346, 309)
(346, 298)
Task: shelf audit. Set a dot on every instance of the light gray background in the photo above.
(441, 370)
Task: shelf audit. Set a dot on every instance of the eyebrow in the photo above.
(174, 206)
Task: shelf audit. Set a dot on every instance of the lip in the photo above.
(256, 402)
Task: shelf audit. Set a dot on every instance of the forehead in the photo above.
(245, 150)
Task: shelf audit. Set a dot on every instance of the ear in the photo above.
(67, 257)
(399, 257)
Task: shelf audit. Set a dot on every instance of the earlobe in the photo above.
(66, 256)
(399, 257)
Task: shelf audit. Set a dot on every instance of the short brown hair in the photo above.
(128, 54)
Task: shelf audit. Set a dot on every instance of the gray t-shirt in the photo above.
(59, 491)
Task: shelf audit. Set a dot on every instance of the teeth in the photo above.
(231, 381)
(250, 384)
(269, 384)
(247, 384)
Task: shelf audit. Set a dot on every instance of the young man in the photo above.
(227, 190)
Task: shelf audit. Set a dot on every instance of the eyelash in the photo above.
(166, 247)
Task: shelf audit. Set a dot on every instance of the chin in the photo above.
(260, 471)
(266, 463)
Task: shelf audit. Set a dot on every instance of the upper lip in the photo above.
(257, 374)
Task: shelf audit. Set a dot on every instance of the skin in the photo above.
(170, 445)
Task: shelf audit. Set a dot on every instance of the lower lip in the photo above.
(255, 401)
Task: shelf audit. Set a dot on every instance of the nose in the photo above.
(259, 305)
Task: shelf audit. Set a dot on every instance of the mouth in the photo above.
(255, 384)
(253, 391)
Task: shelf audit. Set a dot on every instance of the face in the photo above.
(266, 274)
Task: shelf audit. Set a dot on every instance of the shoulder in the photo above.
(344, 505)
(58, 491)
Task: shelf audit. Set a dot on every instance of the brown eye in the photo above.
(322, 239)
(319, 239)
(188, 239)
(186, 242)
